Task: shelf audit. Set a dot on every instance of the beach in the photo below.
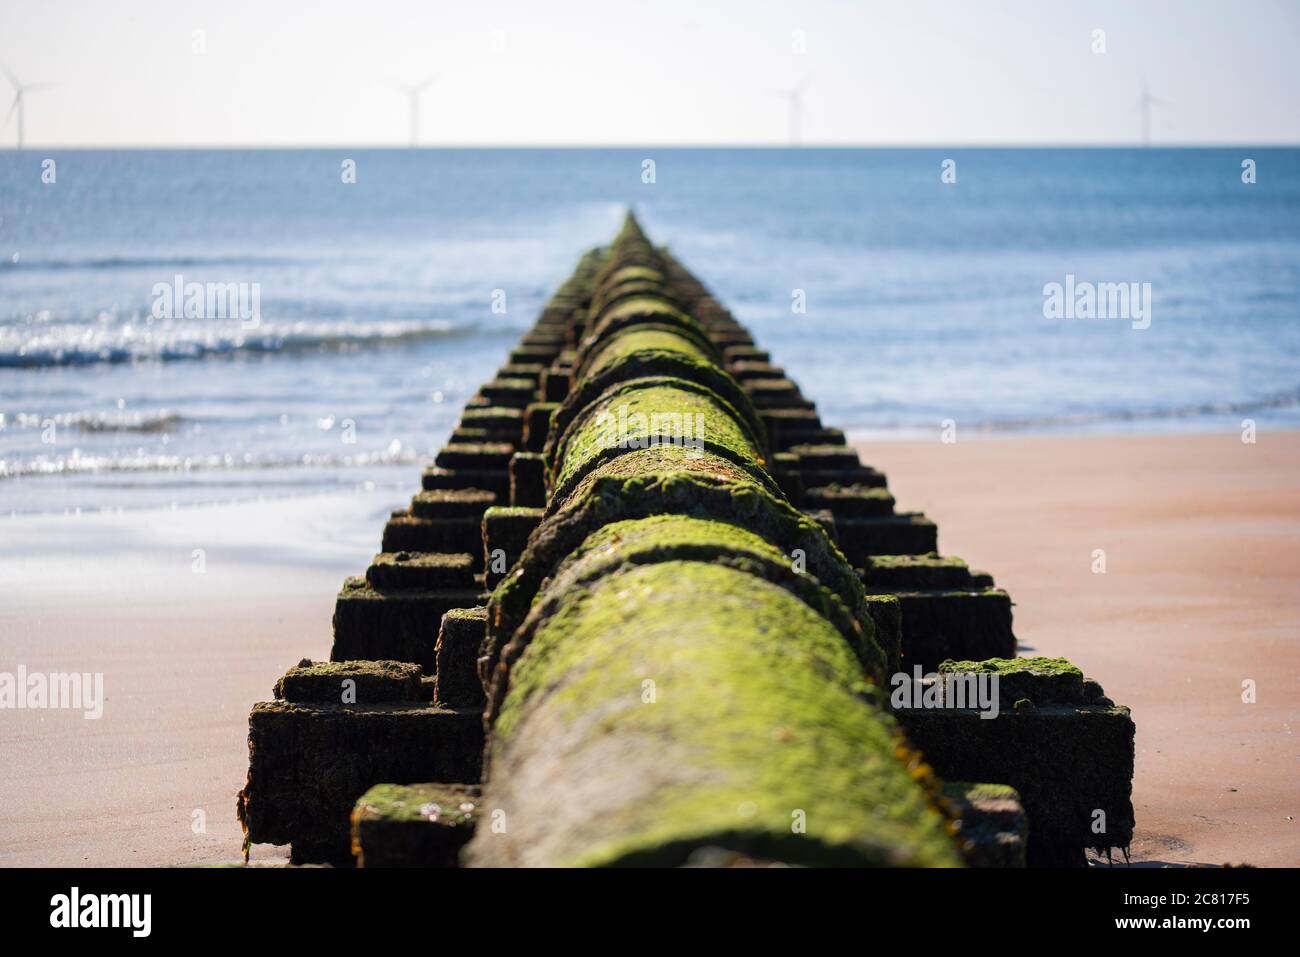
(1200, 534)
(184, 654)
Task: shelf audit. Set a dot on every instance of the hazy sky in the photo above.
(651, 72)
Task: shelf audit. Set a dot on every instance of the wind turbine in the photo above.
(413, 92)
(1145, 102)
(20, 99)
(795, 96)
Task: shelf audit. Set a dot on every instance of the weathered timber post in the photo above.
(680, 662)
(697, 600)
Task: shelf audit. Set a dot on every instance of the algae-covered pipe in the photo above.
(681, 661)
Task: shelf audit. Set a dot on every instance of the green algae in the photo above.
(505, 535)
(660, 538)
(609, 296)
(413, 825)
(991, 820)
(371, 682)
(454, 805)
(1036, 681)
(678, 560)
(492, 417)
(928, 560)
(639, 338)
(508, 384)
(1007, 666)
(309, 763)
(896, 573)
(474, 613)
(638, 311)
(633, 315)
(736, 756)
(629, 273)
(451, 503)
(660, 481)
(620, 365)
(650, 412)
(620, 538)
(626, 282)
(456, 682)
(980, 791)
(508, 512)
(662, 365)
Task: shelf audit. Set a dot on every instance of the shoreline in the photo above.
(1199, 594)
(184, 655)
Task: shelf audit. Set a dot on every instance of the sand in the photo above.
(184, 655)
(1202, 541)
(1201, 591)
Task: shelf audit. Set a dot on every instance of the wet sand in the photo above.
(184, 655)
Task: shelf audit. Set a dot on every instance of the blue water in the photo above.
(924, 300)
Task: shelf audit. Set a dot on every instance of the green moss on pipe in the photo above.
(661, 481)
(640, 339)
(655, 363)
(609, 296)
(685, 568)
(651, 412)
(662, 538)
(754, 738)
(643, 311)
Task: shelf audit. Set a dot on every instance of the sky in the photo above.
(633, 72)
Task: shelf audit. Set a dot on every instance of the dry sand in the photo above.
(1202, 540)
(1201, 592)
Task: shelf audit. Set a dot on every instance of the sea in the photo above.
(906, 290)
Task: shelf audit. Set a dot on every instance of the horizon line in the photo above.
(989, 144)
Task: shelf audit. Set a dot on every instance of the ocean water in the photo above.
(923, 300)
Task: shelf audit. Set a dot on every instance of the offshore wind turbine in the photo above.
(413, 93)
(795, 97)
(20, 99)
(1145, 102)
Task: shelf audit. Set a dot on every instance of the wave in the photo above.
(27, 347)
(1278, 400)
(96, 263)
(77, 464)
(144, 423)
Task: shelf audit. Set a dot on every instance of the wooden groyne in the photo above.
(648, 609)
